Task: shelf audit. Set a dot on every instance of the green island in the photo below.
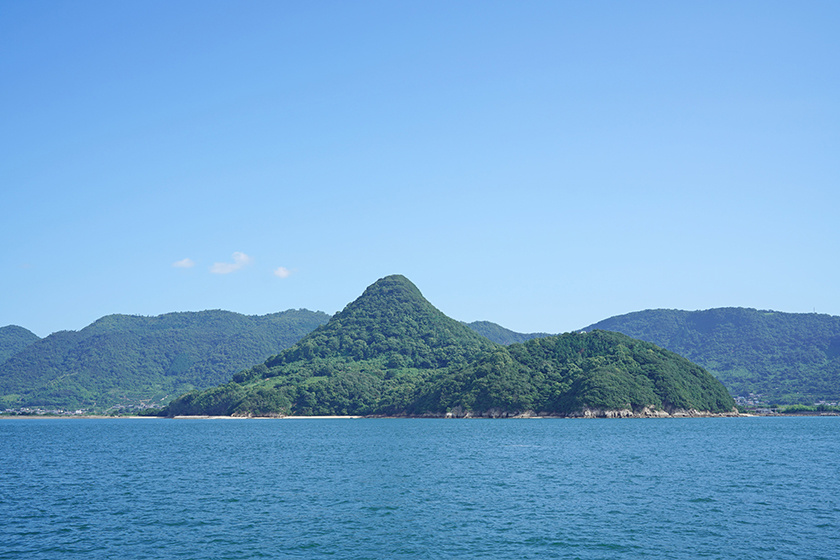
(392, 353)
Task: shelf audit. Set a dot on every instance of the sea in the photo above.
(728, 488)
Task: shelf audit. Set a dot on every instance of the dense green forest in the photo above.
(130, 361)
(391, 352)
(13, 339)
(784, 357)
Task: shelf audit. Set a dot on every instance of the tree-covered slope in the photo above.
(785, 357)
(501, 335)
(391, 352)
(568, 373)
(13, 339)
(129, 360)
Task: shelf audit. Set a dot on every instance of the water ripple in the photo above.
(354, 489)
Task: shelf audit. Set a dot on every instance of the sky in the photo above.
(541, 165)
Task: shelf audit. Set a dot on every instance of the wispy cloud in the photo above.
(184, 263)
(282, 272)
(239, 260)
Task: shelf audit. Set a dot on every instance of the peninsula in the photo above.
(392, 353)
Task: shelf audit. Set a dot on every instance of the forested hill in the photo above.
(391, 352)
(786, 357)
(501, 335)
(123, 360)
(13, 339)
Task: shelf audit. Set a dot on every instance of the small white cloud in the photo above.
(239, 260)
(282, 272)
(184, 263)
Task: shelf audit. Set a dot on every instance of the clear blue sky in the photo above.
(542, 165)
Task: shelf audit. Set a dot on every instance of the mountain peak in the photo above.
(392, 295)
(14, 339)
(393, 283)
(391, 320)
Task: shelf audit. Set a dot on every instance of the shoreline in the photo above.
(421, 417)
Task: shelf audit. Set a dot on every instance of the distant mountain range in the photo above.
(785, 357)
(123, 360)
(129, 361)
(391, 352)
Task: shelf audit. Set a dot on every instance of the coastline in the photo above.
(586, 414)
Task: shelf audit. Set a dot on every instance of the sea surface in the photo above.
(399, 488)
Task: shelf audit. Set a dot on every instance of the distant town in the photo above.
(119, 410)
(753, 404)
(757, 404)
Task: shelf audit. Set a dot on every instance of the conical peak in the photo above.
(391, 294)
(394, 284)
(390, 318)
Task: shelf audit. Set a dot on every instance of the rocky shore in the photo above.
(646, 412)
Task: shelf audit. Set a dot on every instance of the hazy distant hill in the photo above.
(125, 360)
(392, 352)
(787, 357)
(13, 339)
(501, 335)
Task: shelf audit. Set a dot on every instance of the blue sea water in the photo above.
(397, 488)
